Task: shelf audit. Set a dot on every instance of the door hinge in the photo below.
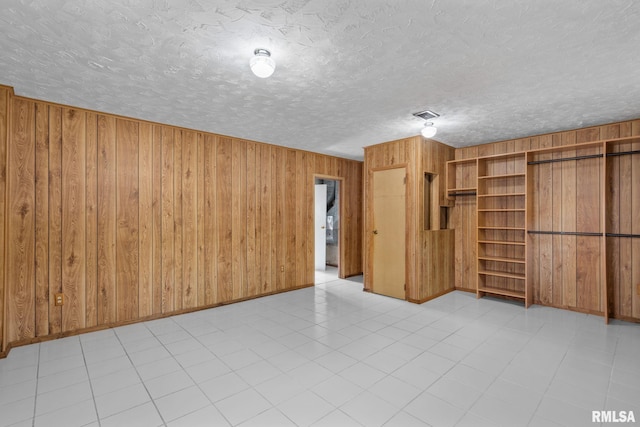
(404, 181)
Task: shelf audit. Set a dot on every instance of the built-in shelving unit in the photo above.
(501, 226)
(558, 221)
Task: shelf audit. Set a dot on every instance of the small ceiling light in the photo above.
(262, 64)
(429, 130)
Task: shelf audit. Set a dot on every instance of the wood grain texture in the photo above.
(5, 95)
(20, 248)
(419, 156)
(189, 219)
(127, 216)
(168, 226)
(55, 216)
(133, 220)
(106, 227)
(91, 221)
(145, 220)
(41, 261)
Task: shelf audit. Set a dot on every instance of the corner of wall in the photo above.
(6, 92)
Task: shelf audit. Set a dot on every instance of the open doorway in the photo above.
(327, 229)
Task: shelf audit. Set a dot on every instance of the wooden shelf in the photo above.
(508, 175)
(504, 292)
(501, 228)
(501, 195)
(502, 274)
(449, 190)
(501, 259)
(501, 242)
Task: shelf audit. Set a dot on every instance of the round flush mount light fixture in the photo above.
(262, 64)
(429, 130)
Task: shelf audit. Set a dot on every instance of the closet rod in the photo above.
(623, 153)
(565, 233)
(635, 236)
(565, 159)
(464, 193)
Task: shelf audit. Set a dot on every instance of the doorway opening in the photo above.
(327, 229)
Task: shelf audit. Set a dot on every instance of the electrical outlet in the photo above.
(282, 268)
(59, 299)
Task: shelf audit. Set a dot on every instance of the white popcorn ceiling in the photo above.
(349, 72)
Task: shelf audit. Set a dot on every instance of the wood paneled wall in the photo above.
(132, 220)
(565, 270)
(5, 95)
(418, 156)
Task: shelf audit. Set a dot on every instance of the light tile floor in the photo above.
(332, 355)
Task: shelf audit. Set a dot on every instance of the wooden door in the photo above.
(389, 220)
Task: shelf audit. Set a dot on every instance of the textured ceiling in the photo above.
(349, 73)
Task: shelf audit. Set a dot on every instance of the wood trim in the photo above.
(434, 296)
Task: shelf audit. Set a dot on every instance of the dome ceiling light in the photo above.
(262, 64)
(429, 130)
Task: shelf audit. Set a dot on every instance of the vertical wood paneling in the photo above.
(251, 195)
(224, 223)
(130, 219)
(91, 220)
(55, 216)
(569, 196)
(238, 219)
(5, 94)
(156, 218)
(106, 239)
(200, 228)
(20, 223)
(168, 226)
(145, 220)
(178, 242)
(189, 219)
(41, 261)
(290, 222)
(210, 221)
(127, 225)
(73, 218)
(266, 220)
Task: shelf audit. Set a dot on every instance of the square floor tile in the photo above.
(395, 391)
(167, 384)
(79, 414)
(280, 388)
(68, 396)
(242, 406)
(369, 410)
(120, 400)
(337, 390)
(362, 375)
(181, 403)
(336, 418)
(434, 411)
(221, 387)
(305, 408)
(144, 415)
(207, 416)
(269, 418)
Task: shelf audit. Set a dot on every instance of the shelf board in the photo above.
(508, 175)
(501, 195)
(502, 228)
(502, 274)
(500, 259)
(500, 210)
(504, 292)
(450, 190)
(501, 242)
(459, 161)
